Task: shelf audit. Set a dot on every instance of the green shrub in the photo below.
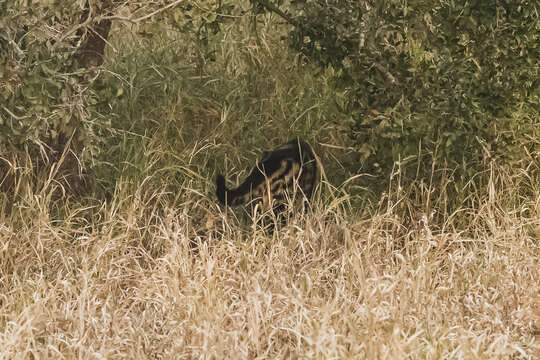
(441, 82)
(55, 98)
(40, 94)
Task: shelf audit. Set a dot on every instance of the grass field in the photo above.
(150, 266)
(143, 280)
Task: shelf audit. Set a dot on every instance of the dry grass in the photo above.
(140, 281)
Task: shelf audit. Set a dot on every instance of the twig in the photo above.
(13, 115)
(158, 11)
(75, 28)
(113, 17)
(269, 6)
(135, 21)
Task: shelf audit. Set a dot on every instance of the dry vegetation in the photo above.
(191, 282)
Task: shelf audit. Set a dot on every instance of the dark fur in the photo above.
(272, 181)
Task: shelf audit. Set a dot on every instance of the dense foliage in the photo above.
(444, 78)
(42, 91)
(52, 97)
(453, 83)
(39, 93)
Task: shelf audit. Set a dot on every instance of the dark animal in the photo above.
(286, 173)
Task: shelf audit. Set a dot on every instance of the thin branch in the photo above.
(75, 28)
(13, 115)
(98, 19)
(135, 21)
(158, 11)
(271, 7)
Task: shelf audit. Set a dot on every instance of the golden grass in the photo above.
(140, 281)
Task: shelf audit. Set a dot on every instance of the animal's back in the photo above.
(290, 170)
